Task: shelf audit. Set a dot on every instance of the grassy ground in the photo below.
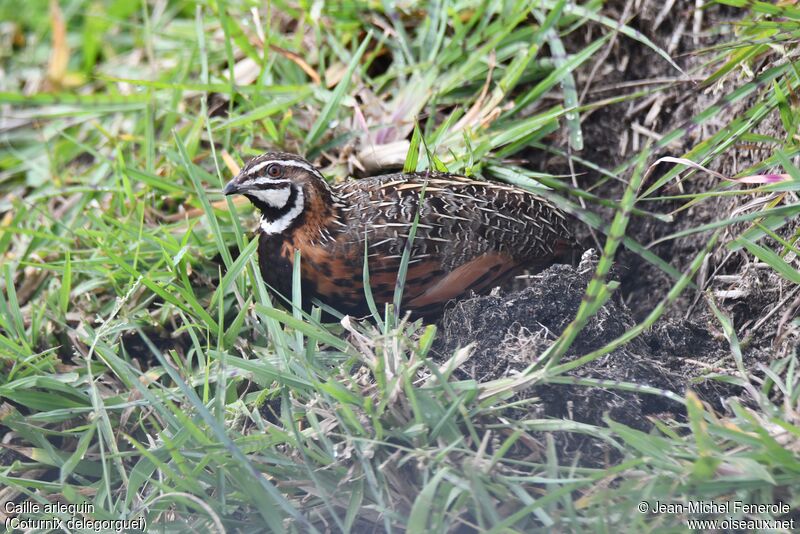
(145, 370)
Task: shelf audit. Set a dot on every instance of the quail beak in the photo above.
(232, 188)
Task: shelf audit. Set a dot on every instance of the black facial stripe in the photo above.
(273, 214)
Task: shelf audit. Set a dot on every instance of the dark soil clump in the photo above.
(672, 356)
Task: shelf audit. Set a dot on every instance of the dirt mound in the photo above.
(511, 330)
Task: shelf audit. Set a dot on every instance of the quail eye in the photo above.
(274, 170)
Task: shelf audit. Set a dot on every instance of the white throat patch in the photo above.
(282, 223)
(274, 198)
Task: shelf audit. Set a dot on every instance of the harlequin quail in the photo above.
(470, 234)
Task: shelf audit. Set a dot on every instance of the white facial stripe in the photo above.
(262, 181)
(279, 225)
(276, 198)
(286, 163)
